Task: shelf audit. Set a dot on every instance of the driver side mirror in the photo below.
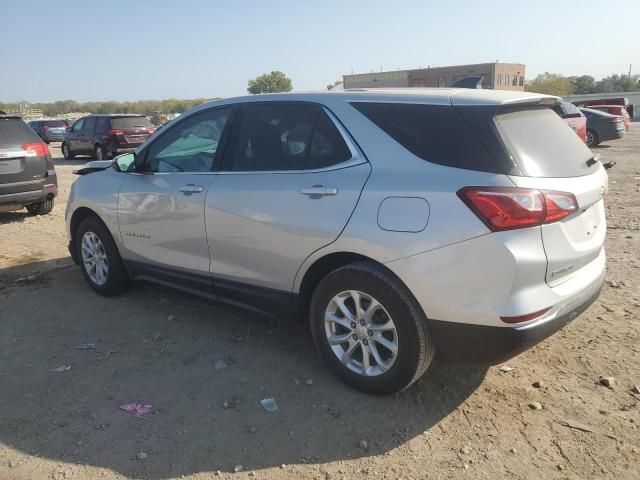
(125, 162)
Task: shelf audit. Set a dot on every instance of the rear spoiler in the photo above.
(95, 166)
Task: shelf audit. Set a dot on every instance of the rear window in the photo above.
(55, 123)
(130, 122)
(435, 133)
(542, 144)
(15, 133)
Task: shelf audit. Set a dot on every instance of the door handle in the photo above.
(190, 188)
(319, 191)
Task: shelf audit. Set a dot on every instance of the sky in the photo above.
(90, 50)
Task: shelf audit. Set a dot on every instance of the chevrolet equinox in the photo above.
(399, 223)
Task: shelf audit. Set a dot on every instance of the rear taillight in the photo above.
(151, 130)
(45, 128)
(115, 131)
(507, 208)
(35, 149)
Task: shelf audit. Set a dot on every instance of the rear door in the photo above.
(20, 163)
(561, 163)
(290, 181)
(85, 141)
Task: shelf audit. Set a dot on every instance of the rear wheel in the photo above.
(100, 154)
(592, 138)
(66, 153)
(369, 329)
(41, 208)
(100, 260)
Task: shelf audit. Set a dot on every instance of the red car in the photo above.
(615, 110)
(574, 118)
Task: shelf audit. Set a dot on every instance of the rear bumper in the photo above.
(25, 193)
(488, 344)
(610, 134)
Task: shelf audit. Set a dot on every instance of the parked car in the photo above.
(398, 223)
(602, 126)
(104, 136)
(615, 110)
(27, 174)
(574, 118)
(49, 130)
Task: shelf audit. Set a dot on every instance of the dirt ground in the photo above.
(154, 346)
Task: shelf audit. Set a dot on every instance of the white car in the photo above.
(397, 223)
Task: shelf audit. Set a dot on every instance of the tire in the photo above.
(99, 153)
(66, 153)
(592, 139)
(115, 279)
(41, 208)
(413, 342)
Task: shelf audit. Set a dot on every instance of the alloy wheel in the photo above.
(361, 333)
(94, 258)
(99, 153)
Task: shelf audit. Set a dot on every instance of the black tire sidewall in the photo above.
(595, 138)
(116, 274)
(41, 208)
(65, 147)
(409, 321)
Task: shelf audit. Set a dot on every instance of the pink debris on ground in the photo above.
(138, 409)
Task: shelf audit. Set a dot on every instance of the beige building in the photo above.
(499, 76)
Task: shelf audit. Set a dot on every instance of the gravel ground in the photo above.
(204, 369)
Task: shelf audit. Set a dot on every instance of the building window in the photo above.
(499, 81)
(514, 82)
(506, 79)
(521, 80)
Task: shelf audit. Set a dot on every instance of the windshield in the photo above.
(130, 122)
(55, 123)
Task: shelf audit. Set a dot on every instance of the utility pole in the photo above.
(629, 71)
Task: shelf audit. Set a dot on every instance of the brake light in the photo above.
(525, 318)
(35, 149)
(115, 131)
(151, 130)
(45, 127)
(507, 208)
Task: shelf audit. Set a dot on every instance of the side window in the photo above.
(102, 124)
(287, 137)
(274, 137)
(78, 125)
(191, 145)
(327, 145)
(90, 124)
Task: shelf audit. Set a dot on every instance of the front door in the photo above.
(74, 137)
(289, 183)
(161, 206)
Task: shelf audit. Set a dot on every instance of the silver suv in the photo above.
(397, 223)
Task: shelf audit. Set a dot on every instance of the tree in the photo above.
(551, 84)
(618, 83)
(583, 84)
(273, 82)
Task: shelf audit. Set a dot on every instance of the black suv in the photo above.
(27, 175)
(105, 136)
(49, 130)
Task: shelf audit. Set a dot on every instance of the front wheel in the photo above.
(66, 153)
(369, 329)
(100, 260)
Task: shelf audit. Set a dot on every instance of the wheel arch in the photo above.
(80, 214)
(321, 267)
